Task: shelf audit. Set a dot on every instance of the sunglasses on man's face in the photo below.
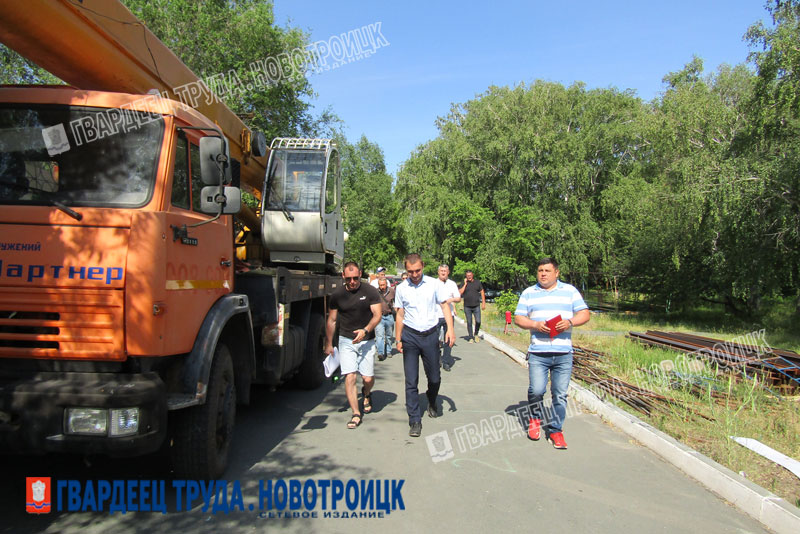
(351, 278)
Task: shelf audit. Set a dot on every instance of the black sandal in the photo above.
(355, 421)
(367, 401)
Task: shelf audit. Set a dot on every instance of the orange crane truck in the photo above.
(139, 298)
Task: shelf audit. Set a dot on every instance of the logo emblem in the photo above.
(55, 139)
(37, 495)
(439, 446)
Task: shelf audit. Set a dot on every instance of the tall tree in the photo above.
(773, 141)
(681, 232)
(370, 210)
(221, 41)
(220, 37)
(529, 162)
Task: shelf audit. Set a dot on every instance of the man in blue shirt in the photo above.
(417, 301)
(550, 350)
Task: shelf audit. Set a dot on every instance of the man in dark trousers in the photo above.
(385, 329)
(417, 301)
(450, 290)
(357, 308)
(474, 301)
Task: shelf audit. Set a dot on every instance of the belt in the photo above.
(425, 333)
(385, 314)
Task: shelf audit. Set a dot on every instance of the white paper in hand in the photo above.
(331, 363)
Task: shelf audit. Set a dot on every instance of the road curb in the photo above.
(770, 510)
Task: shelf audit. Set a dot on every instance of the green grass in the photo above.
(744, 407)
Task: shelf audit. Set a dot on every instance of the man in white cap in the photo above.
(381, 272)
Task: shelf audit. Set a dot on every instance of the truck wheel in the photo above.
(203, 434)
(312, 373)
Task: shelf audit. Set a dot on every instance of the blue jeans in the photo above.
(384, 335)
(469, 311)
(560, 368)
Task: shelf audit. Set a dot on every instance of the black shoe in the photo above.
(381, 357)
(432, 412)
(416, 430)
(446, 367)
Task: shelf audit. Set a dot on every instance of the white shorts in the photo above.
(357, 356)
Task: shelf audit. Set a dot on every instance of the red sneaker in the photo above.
(534, 429)
(557, 439)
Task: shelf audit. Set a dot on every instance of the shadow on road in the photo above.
(260, 428)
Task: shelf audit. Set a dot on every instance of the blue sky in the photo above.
(441, 53)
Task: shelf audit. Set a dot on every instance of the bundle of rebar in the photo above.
(698, 385)
(586, 368)
(775, 366)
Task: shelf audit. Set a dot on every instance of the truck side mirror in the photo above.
(224, 201)
(215, 164)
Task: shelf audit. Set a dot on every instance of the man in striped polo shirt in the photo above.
(550, 350)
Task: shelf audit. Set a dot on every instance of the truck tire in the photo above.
(312, 374)
(202, 435)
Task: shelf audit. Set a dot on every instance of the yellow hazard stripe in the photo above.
(197, 284)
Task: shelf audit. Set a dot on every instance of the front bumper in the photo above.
(32, 411)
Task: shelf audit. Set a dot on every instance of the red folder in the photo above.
(551, 323)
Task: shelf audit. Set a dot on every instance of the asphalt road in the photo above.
(489, 478)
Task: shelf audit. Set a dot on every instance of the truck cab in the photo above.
(125, 322)
(301, 218)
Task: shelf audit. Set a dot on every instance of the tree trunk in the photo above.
(754, 300)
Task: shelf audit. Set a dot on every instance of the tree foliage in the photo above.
(516, 174)
(506, 301)
(771, 144)
(371, 213)
(220, 36)
(18, 70)
(693, 196)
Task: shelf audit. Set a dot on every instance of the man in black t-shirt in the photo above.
(474, 300)
(357, 308)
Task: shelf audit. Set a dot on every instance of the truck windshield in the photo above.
(295, 180)
(77, 156)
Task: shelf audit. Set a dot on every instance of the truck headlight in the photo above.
(124, 422)
(87, 421)
(101, 422)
